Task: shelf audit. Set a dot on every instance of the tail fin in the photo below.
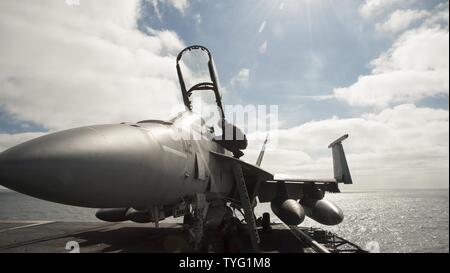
(340, 166)
(261, 154)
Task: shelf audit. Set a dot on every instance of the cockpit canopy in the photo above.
(196, 72)
(200, 87)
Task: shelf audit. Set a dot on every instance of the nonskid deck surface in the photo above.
(92, 237)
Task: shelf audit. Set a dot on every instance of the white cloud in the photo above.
(401, 147)
(394, 87)
(241, 79)
(318, 97)
(419, 50)
(415, 67)
(180, 5)
(63, 66)
(373, 8)
(400, 20)
(439, 17)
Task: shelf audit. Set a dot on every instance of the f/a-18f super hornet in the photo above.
(153, 169)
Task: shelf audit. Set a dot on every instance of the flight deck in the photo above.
(128, 237)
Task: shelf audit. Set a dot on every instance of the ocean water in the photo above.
(394, 221)
(398, 221)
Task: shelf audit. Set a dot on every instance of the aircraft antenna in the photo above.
(261, 154)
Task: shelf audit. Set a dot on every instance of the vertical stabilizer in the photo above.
(340, 166)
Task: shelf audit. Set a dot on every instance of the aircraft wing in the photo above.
(254, 176)
(296, 187)
(249, 170)
(261, 183)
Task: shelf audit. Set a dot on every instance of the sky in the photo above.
(375, 69)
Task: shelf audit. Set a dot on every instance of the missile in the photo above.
(288, 210)
(322, 211)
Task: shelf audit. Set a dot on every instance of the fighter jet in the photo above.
(153, 169)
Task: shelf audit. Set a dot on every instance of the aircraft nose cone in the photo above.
(81, 166)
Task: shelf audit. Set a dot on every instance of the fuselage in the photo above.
(119, 165)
